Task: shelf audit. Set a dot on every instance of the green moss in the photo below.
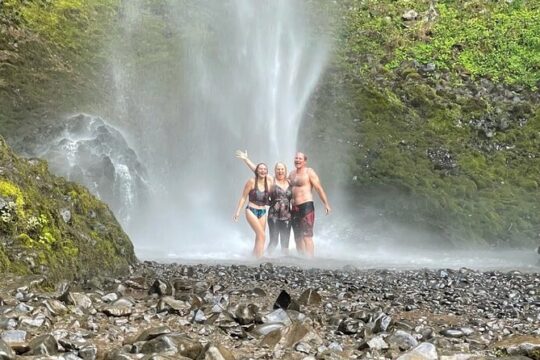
(43, 242)
(10, 190)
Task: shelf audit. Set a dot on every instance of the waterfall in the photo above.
(194, 81)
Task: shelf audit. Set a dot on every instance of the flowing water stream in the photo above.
(196, 81)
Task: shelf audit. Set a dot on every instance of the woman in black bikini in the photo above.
(279, 213)
(258, 197)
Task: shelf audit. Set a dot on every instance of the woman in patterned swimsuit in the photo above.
(257, 196)
(279, 213)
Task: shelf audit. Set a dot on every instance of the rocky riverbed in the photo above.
(265, 311)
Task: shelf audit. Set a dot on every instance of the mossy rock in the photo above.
(54, 227)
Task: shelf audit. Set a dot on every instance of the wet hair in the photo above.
(256, 171)
(304, 155)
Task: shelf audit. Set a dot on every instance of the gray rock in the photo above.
(152, 333)
(6, 353)
(215, 352)
(409, 15)
(246, 314)
(7, 323)
(263, 329)
(88, 352)
(424, 351)
(310, 297)
(276, 316)
(170, 304)
(13, 336)
(377, 343)
(43, 345)
(402, 340)
(66, 215)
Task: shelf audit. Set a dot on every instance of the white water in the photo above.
(234, 74)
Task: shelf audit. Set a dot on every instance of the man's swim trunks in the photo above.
(303, 218)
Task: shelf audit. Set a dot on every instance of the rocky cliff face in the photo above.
(430, 115)
(54, 227)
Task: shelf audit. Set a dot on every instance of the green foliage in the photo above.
(52, 58)
(10, 190)
(501, 42)
(497, 39)
(41, 241)
(75, 25)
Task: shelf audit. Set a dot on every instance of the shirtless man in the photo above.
(303, 180)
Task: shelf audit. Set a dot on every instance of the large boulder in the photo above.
(54, 227)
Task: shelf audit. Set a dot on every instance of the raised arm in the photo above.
(243, 155)
(316, 183)
(243, 198)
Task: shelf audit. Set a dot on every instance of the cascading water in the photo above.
(195, 82)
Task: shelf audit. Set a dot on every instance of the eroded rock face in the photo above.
(86, 149)
(424, 314)
(55, 228)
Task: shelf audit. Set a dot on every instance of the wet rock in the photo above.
(350, 326)
(264, 329)
(162, 343)
(76, 299)
(109, 298)
(452, 333)
(284, 301)
(246, 314)
(272, 338)
(198, 316)
(117, 310)
(294, 333)
(309, 297)
(381, 323)
(171, 305)
(377, 343)
(152, 333)
(276, 316)
(402, 340)
(424, 351)
(6, 353)
(521, 346)
(161, 288)
(7, 323)
(43, 345)
(55, 307)
(88, 352)
(462, 313)
(215, 352)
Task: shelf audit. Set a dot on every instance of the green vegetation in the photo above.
(455, 145)
(53, 227)
(51, 58)
(498, 40)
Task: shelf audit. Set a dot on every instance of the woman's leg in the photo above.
(284, 234)
(258, 225)
(273, 227)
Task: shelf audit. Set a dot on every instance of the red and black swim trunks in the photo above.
(303, 218)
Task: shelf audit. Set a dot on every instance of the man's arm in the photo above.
(316, 183)
(243, 155)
